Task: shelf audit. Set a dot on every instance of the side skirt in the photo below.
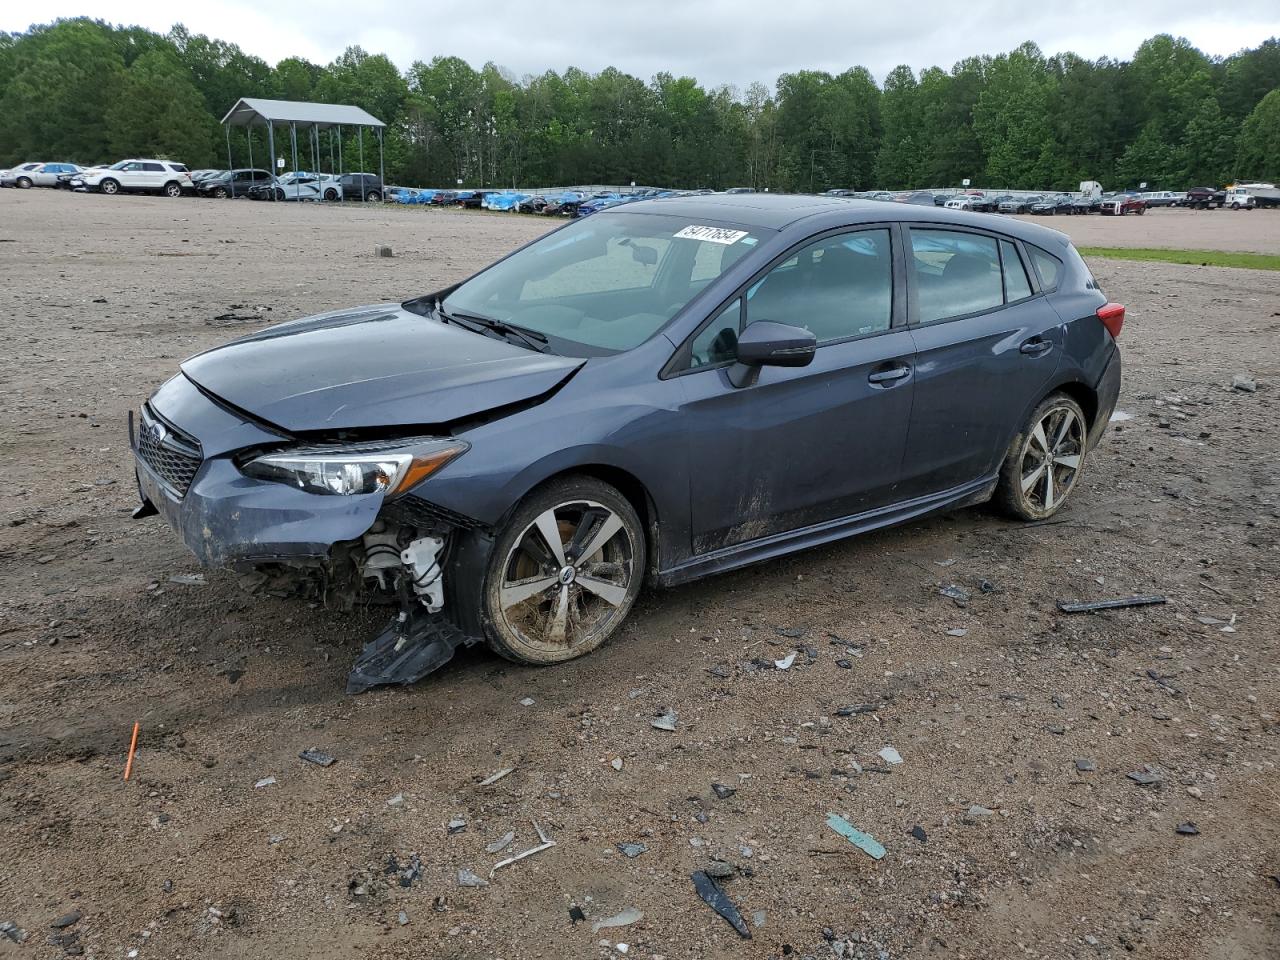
(781, 544)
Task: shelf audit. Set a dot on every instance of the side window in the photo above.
(1016, 285)
(956, 274)
(132, 167)
(1048, 266)
(153, 167)
(835, 288)
(718, 341)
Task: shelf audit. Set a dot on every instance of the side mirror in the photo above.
(768, 344)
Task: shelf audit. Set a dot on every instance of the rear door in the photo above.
(987, 345)
(154, 175)
(809, 444)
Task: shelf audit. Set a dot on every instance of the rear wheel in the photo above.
(564, 572)
(373, 196)
(172, 189)
(331, 194)
(1045, 460)
(109, 187)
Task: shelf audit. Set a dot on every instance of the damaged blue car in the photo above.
(661, 391)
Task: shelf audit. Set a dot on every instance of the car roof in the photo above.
(776, 211)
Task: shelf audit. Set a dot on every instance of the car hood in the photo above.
(378, 366)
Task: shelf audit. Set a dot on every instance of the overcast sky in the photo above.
(716, 41)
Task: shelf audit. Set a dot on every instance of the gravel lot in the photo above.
(1018, 726)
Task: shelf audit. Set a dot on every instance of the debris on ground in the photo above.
(858, 708)
(1188, 829)
(632, 850)
(67, 920)
(722, 791)
(616, 763)
(402, 918)
(863, 841)
(786, 662)
(467, 878)
(396, 802)
(719, 901)
(957, 632)
(918, 832)
(576, 915)
(1067, 606)
(318, 757)
(1244, 383)
(527, 702)
(978, 810)
(544, 844)
(504, 841)
(718, 869)
(1145, 778)
(665, 721)
(957, 594)
(456, 825)
(12, 931)
(1084, 765)
(264, 782)
(626, 917)
(890, 755)
(495, 777)
(188, 579)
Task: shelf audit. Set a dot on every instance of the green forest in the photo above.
(85, 91)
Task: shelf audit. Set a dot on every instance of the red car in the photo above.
(1120, 205)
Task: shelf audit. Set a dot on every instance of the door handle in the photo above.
(1036, 347)
(889, 375)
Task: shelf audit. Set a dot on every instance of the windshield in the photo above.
(607, 283)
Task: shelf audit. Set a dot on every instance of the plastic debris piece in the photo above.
(1085, 765)
(495, 777)
(666, 721)
(918, 832)
(627, 916)
(1145, 778)
(719, 901)
(545, 844)
(958, 595)
(1088, 607)
(857, 708)
(890, 755)
(616, 763)
(632, 850)
(723, 792)
(468, 879)
(501, 843)
(576, 915)
(527, 702)
(1119, 416)
(863, 841)
(264, 782)
(457, 825)
(786, 662)
(1188, 829)
(318, 757)
(188, 579)
(957, 631)
(402, 918)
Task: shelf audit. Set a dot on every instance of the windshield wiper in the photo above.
(530, 338)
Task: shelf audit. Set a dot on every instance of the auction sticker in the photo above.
(711, 234)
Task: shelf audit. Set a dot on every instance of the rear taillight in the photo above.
(1112, 317)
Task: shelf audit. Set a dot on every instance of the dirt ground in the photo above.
(1247, 231)
(1018, 726)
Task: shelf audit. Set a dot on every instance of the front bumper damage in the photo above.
(345, 550)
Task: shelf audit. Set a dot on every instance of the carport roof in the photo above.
(250, 110)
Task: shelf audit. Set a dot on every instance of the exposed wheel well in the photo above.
(1082, 395)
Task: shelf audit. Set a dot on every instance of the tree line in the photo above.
(1173, 117)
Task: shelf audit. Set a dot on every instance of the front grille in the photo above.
(173, 456)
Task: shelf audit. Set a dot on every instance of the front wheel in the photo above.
(109, 187)
(1045, 460)
(24, 183)
(221, 193)
(564, 572)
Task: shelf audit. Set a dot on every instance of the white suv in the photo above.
(149, 176)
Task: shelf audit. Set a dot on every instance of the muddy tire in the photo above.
(564, 573)
(1045, 461)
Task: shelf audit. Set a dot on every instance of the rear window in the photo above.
(178, 167)
(1047, 266)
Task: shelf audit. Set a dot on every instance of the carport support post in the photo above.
(271, 144)
(293, 138)
(248, 136)
(382, 175)
(227, 127)
(340, 168)
(360, 139)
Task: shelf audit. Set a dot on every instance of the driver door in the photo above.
(810, 444)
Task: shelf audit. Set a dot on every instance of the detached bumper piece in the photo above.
(413, 645)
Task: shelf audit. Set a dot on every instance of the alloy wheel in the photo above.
(567, 576)
(1051, 458)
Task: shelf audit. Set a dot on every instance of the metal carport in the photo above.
(313, 118)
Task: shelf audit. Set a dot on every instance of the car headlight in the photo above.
(350, 469)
